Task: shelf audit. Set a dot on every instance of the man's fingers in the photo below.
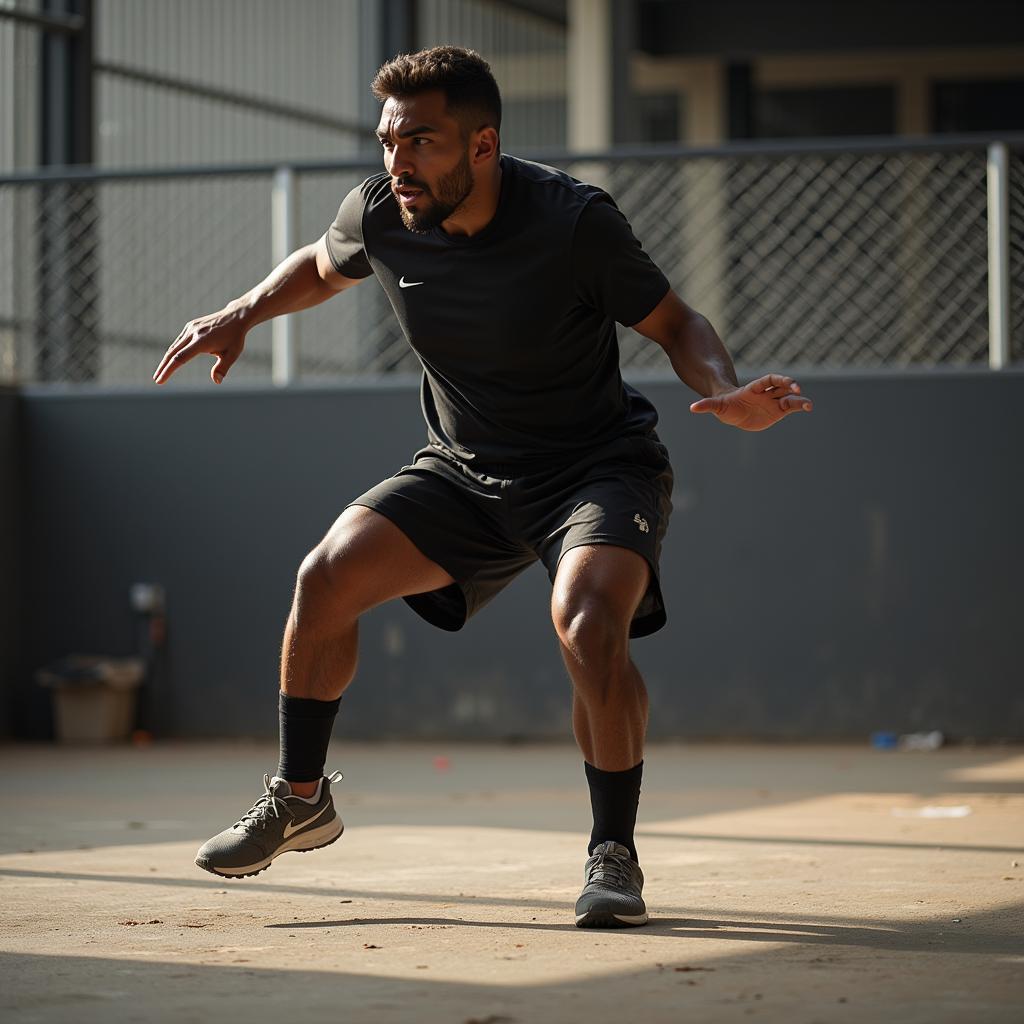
(782, 392)
(708, 405)
(163, 370)
(165, 357)
(786, 394)
(795, 403)
(165, 362)
(771, 380)
(220, 368)
(175, 361)
(179, 342)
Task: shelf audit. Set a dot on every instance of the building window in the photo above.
(993, 106)
(834, 110)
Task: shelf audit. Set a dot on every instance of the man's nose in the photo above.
(398, 163)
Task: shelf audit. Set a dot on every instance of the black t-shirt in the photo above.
(513, 325)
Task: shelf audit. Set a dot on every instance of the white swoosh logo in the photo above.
(402, 283)
(292, 827)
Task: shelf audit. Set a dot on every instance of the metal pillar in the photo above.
(739, 78)
(591, 72)
(998, 256)
(625, 126)
(283, 241)
(397, 27)
(68, 317)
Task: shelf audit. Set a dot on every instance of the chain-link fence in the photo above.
(852, 257)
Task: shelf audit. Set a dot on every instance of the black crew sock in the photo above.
(614, 797)
(306, 726)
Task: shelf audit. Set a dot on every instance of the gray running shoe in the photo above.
(278, 822)
(612, 886)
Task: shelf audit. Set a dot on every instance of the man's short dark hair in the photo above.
(471, 93)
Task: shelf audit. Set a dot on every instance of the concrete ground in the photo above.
(796, 884)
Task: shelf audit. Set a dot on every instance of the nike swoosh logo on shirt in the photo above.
(402, 283)
(291, 827)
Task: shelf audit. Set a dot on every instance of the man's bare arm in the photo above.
(701, 361)
(691, 343)
(306, 278)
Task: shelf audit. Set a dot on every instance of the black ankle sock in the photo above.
(614, 797)
(305, 734)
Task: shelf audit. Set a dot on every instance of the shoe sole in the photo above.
(606, 919)
(317, 839)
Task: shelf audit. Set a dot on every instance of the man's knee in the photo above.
(591, 627)
(330, 577)
(318, 587)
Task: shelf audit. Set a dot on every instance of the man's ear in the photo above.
(485, 145)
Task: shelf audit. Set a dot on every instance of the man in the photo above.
(507, 278)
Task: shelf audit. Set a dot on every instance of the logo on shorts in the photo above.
(642, 523)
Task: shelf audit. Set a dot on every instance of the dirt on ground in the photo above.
(796, 884)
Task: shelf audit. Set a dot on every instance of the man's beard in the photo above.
(452, 190)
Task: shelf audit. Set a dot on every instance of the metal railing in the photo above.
(832, 254)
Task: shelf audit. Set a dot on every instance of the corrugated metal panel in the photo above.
(19, 150)
(303, 54)
(19, 90)
(7, 94)
(526, 53)
(487, 26)
(313, 55)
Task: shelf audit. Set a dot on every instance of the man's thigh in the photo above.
(364, 546)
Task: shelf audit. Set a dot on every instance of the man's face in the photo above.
(427, 158)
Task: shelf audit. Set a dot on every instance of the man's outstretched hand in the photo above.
(220, 335)
(757, 405)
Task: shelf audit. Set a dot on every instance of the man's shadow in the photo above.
(973, 934)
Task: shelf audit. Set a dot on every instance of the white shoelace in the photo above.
(271, 804)
(267, 805)
(613, 870)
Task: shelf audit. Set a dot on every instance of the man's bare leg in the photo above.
(597, 589)
(363, 561)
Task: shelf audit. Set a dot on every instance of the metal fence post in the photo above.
(283, 235)
(998, 255)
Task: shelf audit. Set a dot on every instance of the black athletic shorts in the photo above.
(485, 530)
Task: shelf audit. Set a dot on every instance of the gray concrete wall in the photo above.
(852, 570)
(10, 522)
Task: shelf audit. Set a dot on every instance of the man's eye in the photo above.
(419, 138)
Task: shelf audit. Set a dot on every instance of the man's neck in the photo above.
(479, 207)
